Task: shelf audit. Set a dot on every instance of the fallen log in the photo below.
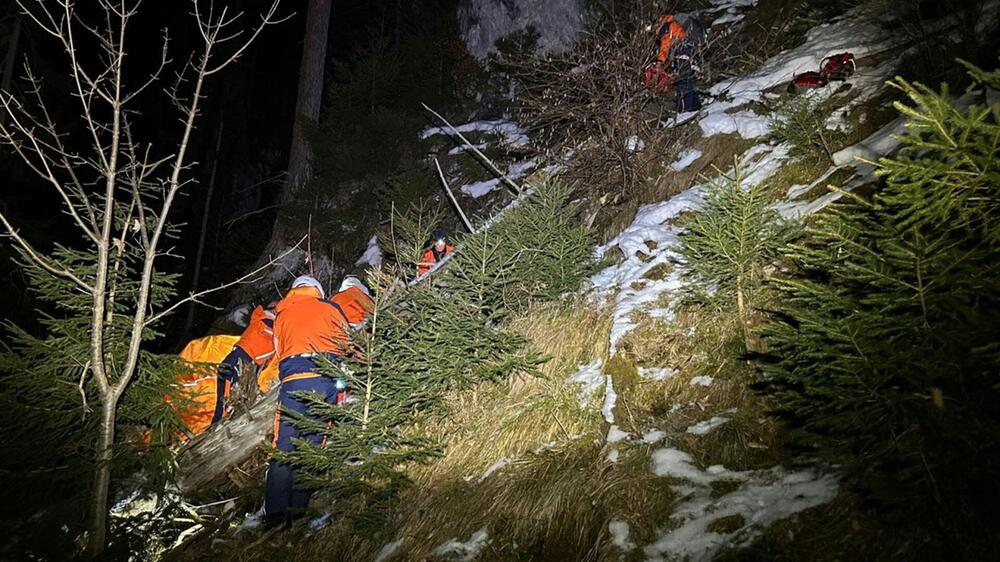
(207, 458)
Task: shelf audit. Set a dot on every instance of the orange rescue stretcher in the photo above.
(198, 386)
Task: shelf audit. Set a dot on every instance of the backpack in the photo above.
(692, 26)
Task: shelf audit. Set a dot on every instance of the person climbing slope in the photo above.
(307, 327)
(255, 347)
(680, 38)
(354, 301)
(436, 252)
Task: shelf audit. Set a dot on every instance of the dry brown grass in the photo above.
(497, 421)
(660, 182)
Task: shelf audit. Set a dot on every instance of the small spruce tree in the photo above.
(802, 124)
(551, 249)
(728, 244)
(426, 339)
(885, 355)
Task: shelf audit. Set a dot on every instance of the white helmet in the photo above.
(308, 281)
(352, 281)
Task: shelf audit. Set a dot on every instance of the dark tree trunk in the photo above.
(307, 109)
(310, 96)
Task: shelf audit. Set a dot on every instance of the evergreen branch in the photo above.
(42, 262)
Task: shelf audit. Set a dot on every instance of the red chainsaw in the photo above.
(658, 79)
(834, 68)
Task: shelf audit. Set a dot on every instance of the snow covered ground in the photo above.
(651, 244)
(509, 131)
(649, 277)
(854, 32)
(761, 498)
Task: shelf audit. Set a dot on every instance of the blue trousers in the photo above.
(686, 85)
(281, 496)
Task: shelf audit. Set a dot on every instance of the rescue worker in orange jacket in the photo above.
(254, 347)
(678, 37)
(438, 250)
(307, 326)
(354, 301)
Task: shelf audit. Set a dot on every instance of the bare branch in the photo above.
(83, 393)
(193, 297)
(65, 156)
(164, 59)
(266, 20)
(42, 168)
(451, 196)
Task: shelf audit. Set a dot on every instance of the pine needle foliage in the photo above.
(728, 244)
(52, 408)
(424, 340)
(885, 355)
(550, 249)
(802, 124)
(409, 234)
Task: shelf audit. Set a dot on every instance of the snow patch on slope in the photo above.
(388, 550)
(656, 373)
(685, 159)
(762, 497)
(619, 534)
(854, 32)
(511, 133)
(616, 435)
(516, 170)
(464, 551)
(704, 427)
(652, 241)
(649, 242)
(372, 255)
(590, 378)
(610, 397)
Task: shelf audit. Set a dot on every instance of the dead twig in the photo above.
(485, 159)
(451, 196)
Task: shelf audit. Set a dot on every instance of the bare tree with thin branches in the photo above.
(117, 190)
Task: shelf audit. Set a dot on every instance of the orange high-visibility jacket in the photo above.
(197, 387)
(671, 33)
(258, 337)
(258, 342)
(357, 306)
(429, 258)
(306, 325)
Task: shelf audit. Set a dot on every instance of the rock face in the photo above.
(482, 22)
